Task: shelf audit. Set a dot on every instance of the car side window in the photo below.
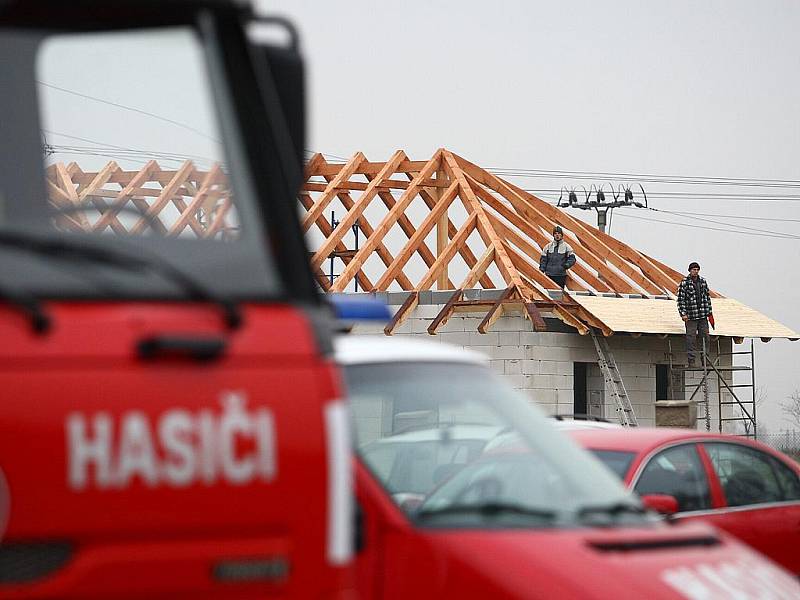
(790, 482)
(746, 474)
(677, 472)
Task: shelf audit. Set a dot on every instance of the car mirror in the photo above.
(662, 503)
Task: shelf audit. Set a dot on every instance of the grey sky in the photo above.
(677, 88)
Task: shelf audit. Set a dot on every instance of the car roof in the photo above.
(368, 349)
(580, 424)
(636, 439)
(456, 432)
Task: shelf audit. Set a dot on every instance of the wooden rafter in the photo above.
(512, 225)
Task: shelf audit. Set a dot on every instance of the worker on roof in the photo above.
(557, 258)
(694, 307)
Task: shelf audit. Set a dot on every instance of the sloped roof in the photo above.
(634, 315)
(442, 222)
(512, 227)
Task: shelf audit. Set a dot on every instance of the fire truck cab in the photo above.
(167, 394)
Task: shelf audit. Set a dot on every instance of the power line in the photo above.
(132, 109)
(694, 195)
(742, 228)
(650, 177)
(744, 217)
(771, 235)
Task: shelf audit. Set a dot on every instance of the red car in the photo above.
(739, 485)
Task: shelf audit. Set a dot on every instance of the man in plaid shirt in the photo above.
(694, 306)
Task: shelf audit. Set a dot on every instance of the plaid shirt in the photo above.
(694, 299)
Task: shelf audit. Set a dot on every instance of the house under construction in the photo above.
(454, 250)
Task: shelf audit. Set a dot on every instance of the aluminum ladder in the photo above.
(613, 379)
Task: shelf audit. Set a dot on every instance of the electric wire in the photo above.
(132, 109)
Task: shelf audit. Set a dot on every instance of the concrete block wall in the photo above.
(540, 364)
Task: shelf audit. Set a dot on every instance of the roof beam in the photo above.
(386, 224)
(422, 231)
(408, 228)
(326, 229)
(458, 239)
(536, 235)
(488, 234)
(322, 202)
(444, 315)
(464, 251)
(550, 216)
(164, 198)
(402, 313)
(496, 311)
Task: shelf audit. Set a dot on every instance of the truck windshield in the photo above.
(142, 158)
(454, 446)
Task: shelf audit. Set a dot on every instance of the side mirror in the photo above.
(662, 503)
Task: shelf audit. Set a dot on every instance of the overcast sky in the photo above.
(672, 88)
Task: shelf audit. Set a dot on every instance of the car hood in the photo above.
(682, 561)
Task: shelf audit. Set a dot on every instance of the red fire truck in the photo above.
(167, 396)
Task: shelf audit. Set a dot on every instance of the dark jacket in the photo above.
(694, 300)
(556, 260)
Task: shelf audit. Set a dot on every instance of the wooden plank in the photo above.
(527, 210)
(444, 315)
(496, 311)
(402, 313)
(99, 180)
(478, 269)
(548, 216)
(409, 228)
(458, 239)
(366, 229)
(366, 168)
(535, 317)
(330, 192)
(354, 211)
(196, 203)
(464, 251)
(489, 236)
(65, 182)
(385, 185)
(386, 224)
(570, 320)
(126, 195)
(326, 229)
(441, 233)
(164, 199)
(590, 236)
(535, 234)
(413, 243)
(218, 223)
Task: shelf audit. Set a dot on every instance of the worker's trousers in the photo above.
(695, 328)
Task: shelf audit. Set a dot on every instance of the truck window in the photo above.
(137, 142)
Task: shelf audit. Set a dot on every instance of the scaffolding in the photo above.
(742, 403)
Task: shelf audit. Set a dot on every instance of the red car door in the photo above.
(761, 500)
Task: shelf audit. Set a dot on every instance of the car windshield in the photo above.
(616, 460)
(455, 446)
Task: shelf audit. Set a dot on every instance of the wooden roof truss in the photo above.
(497, 229)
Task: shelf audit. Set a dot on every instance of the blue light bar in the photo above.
(359, 308)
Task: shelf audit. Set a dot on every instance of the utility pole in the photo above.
(595, 199)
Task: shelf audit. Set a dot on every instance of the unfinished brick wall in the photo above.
(541, 364)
